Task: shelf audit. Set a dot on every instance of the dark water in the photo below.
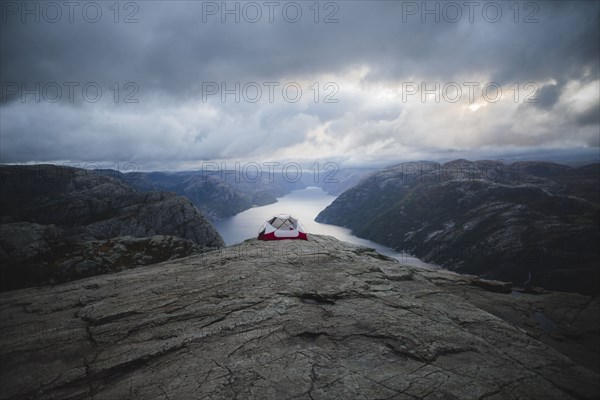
(305, 205)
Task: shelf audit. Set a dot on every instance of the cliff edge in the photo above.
(320, 319)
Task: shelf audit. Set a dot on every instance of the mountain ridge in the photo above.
(224, 193)
(59, 223)
(487, 218)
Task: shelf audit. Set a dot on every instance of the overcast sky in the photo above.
(340, 81)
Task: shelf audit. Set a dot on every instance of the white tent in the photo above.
(280, 227)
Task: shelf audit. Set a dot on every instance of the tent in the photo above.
(281, 227)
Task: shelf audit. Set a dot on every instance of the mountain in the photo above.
(216, 194)
(533, 222)
(61, 223)
(320, 319)
(224, 193)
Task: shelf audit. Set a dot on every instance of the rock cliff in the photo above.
(527, 222)
(52, 216)
(296, 320)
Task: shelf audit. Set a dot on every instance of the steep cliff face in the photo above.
(49, 213)
(319, 319)
(525, 222)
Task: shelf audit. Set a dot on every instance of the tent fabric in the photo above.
(282, 227)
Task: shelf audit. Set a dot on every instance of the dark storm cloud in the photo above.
(171, 51)
(591, 116)
(171, 48)
(548, 95)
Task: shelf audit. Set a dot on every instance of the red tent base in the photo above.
(271, 236)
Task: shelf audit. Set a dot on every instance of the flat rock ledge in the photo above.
(310, 320)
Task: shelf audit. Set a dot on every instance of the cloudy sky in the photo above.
(168, 85)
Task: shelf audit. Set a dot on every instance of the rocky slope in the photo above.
(52, 217)
(280, 320)
(531, 222)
